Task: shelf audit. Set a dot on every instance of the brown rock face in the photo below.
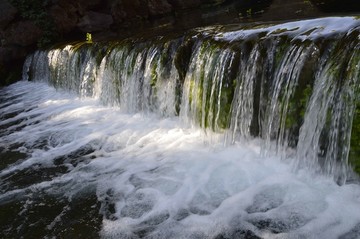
(294, 10)
(337, 5)
(86, 4)
(24, 33)
(159, 7)
(65, 18)
(129, 10)
(5, 52)
(11, 53)
(129, 14)
(11, 61)
(94, 21)
(183, 4)
(7, 13)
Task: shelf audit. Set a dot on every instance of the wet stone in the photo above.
(155, 220)
(44, 216)
(136, 210)
(353, 234)
(108, 208)
(8, 158)
(29, 176)
(268, 199)
(76, 157)
(82, 220)
(238, 234)
(137, 205)
(279, 226)
(182, 214)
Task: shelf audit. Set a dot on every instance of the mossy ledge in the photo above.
(249, 82)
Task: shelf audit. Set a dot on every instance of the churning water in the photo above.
(105, 154)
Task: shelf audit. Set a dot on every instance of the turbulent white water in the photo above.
(131, 152)
(160, 178)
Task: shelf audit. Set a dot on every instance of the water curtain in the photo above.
(295, 85)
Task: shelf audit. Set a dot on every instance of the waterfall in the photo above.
(294, 85)
(247, 131)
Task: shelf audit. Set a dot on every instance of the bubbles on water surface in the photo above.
(89, 171)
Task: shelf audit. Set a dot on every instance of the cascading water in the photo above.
(131, 142)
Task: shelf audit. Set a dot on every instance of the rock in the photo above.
(4, 55)
(159, 7)
(129, 11)
(337, 5)
(183, 4)
(95, 5)
(65, 19)
(23, 33)
(89, 3)
(94, 21)
(294, 10)
(11, 53)
(7, 13)
(11, 61)
(212, 2)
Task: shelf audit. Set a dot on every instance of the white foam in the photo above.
(304, 29)
(167, 180)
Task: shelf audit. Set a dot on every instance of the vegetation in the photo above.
(88, 38)
(355, 139)
(35, 10)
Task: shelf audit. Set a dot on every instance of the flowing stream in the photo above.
(224, 132)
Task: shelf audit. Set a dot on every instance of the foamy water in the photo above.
(160, 178)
